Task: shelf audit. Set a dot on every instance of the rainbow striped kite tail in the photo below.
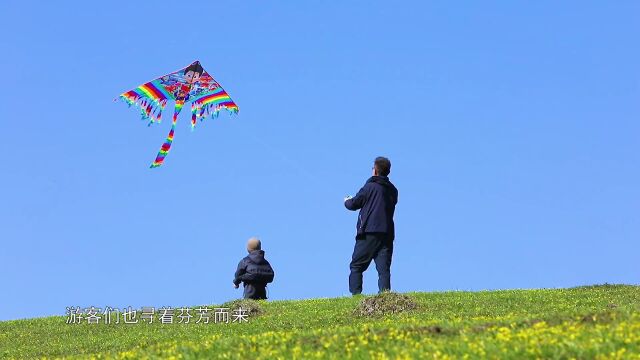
(164, 149)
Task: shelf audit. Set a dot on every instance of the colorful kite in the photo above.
(189, 84)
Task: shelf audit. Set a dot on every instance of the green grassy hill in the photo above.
(583, 323)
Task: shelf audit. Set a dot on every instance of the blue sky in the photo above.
(513, 129)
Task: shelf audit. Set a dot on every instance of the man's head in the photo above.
(254, 244)
(381, 166)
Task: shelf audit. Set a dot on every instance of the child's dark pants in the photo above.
(255, 291)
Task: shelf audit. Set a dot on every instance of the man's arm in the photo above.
(357, 202)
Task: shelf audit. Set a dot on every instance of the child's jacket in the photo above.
(255, 272)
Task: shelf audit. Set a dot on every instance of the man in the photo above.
(375, 229)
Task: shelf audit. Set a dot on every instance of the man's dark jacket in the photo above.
(255, 272)
(377, 202)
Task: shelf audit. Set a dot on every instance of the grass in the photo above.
(583, 323)
(387, 303)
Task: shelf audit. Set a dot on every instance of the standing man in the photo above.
(375, 230)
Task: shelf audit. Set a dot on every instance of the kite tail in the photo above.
(167, 143)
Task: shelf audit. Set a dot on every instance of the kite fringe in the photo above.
(150, 109)
(200, 111)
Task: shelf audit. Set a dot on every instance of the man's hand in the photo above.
(235, 286)
(348, 197)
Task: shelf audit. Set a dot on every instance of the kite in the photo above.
(193, 84)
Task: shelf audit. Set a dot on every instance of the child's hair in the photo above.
(254, 244)
(195, 67)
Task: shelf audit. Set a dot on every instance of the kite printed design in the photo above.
(193, 84)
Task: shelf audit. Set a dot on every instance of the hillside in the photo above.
(583, 322)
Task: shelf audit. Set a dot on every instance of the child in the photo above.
(254, 271)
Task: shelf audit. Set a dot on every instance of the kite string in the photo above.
(279, 153)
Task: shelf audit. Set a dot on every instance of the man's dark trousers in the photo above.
(377, 247)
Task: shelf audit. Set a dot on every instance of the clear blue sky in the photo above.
(513, 129)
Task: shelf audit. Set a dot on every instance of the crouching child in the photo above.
(254, 272)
